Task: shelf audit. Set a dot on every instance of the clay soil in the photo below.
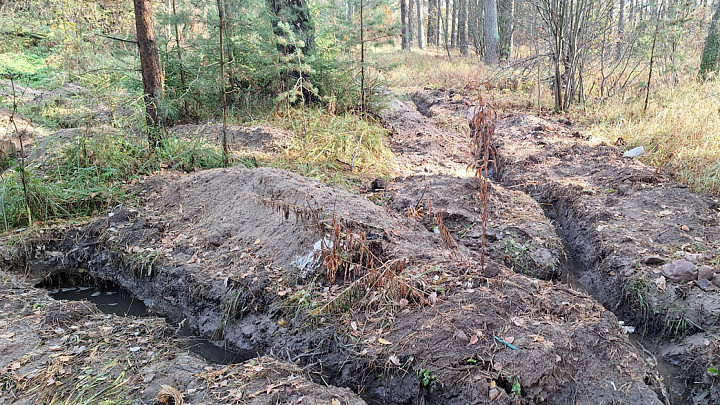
(246, 258)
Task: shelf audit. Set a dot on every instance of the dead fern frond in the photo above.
(444, 232)
(482, 128)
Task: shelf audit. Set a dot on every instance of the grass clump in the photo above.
(680, 131)
(336, 149)
(89, 175)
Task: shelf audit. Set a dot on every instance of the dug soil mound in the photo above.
(647, 247)
(248, 258)
(383, 293)
(258, 139)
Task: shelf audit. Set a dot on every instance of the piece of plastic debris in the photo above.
(634, 152)
(505, 343)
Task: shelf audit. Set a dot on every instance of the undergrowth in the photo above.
(680, 131)
(337, 149)
(88, 175)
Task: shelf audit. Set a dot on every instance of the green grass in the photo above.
(341, 149)
(90, 174)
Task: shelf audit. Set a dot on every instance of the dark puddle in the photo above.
(111, 299)
(677, 390)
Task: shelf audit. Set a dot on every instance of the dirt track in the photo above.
(231, 251)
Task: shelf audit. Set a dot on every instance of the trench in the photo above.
(675, 385)
(576, 270)
(110, 298)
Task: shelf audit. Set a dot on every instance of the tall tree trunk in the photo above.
(150, 67)
(420, 40)
(438, 22)
(410, 27)
(462, 27)
(492, 36)
(511, 29)
(297, 15)
(405, 40)
(711, 49)
(453, 30)
(432, 20)
(183, 78)
(621, 30)
(349, 10)
(221, 15)
(446, 31)
(506, 14)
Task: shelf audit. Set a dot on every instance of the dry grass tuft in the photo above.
(425, 68)
(680, 132)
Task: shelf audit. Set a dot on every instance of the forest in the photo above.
(359, 201)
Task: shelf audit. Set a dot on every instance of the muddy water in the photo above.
(113, 300)
(677, 390)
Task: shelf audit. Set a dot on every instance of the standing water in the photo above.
(111, 299)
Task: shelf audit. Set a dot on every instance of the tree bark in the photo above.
(621, 30)
(453, 31)
(183, 78)
(421, 42)
(438, 21)
(711, 49)
(221, 15)
(404, 31)
(462, 27)
(448, 16)
(150, 68)
(492, 36)
(432, 20)
(410, 27)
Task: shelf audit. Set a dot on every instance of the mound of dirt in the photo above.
(260, 138)
(234, 252)
(518, 234)
(614, 212)
(425, 147)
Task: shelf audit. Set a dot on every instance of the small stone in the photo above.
(654, 259)
(635, 152)
(494, 394)
(704, 285)
(680, 270)
(693, 258)
(705, 272)
(685, 228)
(716, 279)
(491, 270)
(378, 184)
(462, 337)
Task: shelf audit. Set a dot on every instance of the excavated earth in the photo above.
(242, 257)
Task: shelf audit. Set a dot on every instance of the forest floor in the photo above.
(382, 292)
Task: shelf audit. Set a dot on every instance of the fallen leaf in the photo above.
(383, 341)
(394, 360)
(334, 402)
(473, 340)
(509, 339)
(517, 321)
